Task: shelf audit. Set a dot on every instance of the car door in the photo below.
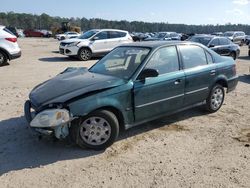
(214, 44)
(225, 47)
(199, 71)
(164, 93)
(100, 42)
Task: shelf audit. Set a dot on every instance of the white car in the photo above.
(67, 35)
(94, 43)
(9, 48)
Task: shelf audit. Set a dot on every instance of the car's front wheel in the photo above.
(97, 131)
(84, 54)
(215, 98)
(3, 59)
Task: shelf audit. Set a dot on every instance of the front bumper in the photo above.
(69, 51)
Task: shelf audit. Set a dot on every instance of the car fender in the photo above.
(222, 79)
(119, 98)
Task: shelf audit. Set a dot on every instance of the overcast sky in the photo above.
(174, 11)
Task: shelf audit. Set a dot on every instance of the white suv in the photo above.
(67, 35)
(9, 48)
(94, 43)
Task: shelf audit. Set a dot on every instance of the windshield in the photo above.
(88, 34)
(228, 34)
(202, 40)
(122, 62)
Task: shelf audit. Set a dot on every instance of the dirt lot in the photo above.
(190, 149)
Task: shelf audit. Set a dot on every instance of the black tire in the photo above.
(249, 53)
(62, 38)
(79, 134)
(84, 54)
(3, 59)
(215, 98)
(233, 55)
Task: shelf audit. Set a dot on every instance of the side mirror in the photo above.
(211, 46)
(147, 73)
(95, 38)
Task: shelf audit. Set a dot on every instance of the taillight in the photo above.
(11, 39)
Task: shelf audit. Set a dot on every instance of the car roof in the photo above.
(110, 30)
(156, 44)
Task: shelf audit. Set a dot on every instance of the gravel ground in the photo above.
(189, 149)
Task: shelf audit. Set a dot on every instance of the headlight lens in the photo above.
(73, 44)
(51, 118)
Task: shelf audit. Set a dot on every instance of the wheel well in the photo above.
(117, 113)
(222, 82)
(5, 53)
(85, 47)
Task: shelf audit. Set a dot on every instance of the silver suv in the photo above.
(94, 43)
(237, 37)
(9, 48)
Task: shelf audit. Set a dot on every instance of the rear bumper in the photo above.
(232, 83)
(15, 56)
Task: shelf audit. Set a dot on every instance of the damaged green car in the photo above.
(133, 84)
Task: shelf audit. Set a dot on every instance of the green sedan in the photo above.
(133, 84)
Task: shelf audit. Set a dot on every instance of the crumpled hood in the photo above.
(69, 84)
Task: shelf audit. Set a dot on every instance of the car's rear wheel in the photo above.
(97, 131)
(233, 55)
(3, 59)
(84, 54)
(215, 98)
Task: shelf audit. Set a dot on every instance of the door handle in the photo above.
(178, 81)
(212, 72)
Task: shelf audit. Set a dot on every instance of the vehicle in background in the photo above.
(33, 33)
(20, 33)
(46, 33)
(94, 43)
(133, 84)
(247, 39)
(9, 48)
(164, 36)
(137, 37)
(220, 45)
(237, 37)
(185, 36)
(13, 30)
(220, 34)
(67, 35)
(65, 27)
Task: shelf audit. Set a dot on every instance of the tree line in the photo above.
(44, 21)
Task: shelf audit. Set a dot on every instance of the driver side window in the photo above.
(164, 60)
(101, 36)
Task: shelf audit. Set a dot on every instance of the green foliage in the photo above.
(44, 21)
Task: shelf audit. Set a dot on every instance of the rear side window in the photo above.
(192, 56)
(8, 31)
(116, 34)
